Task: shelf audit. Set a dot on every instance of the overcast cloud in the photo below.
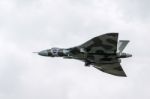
(33, 25)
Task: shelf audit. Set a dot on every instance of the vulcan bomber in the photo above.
(103, 52)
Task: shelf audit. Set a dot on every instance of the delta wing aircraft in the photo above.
(103, 52)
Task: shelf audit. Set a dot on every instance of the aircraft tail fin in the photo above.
(121, 45)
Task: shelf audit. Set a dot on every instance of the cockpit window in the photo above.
(54, 51)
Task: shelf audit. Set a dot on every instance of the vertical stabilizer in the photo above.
(121, 45)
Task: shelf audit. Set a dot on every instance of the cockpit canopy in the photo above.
(55, 51)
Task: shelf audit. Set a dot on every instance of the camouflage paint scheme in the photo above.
(100, 52)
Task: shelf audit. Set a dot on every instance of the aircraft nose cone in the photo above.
(43, 53)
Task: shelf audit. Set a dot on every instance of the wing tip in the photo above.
(112, 33)
(123, 75)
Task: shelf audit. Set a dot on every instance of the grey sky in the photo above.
(33, 25)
